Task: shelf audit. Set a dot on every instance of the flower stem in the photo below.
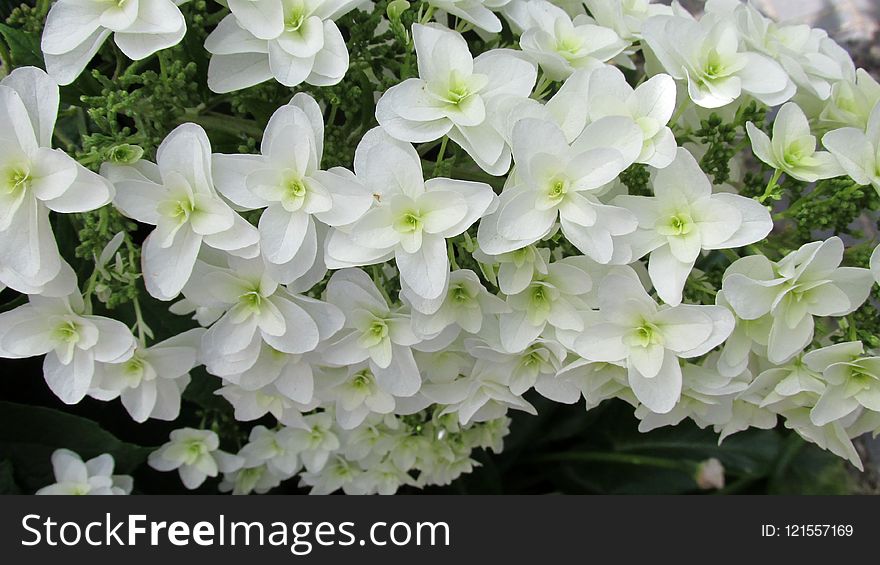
(770, 186)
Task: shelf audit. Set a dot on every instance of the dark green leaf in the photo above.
(29, 435)
(24, 47)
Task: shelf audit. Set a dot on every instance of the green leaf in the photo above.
(24, 47)
(30, 434)
(7, 478)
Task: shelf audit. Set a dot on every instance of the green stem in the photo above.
(770, 186)
(141, 325)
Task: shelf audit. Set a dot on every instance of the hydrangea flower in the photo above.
(456, 95)
(549, 300)
(708, 55)
(72, 340)
(75, 30)
(292, 41)
(151, 382)
(257, 311)
(793, 148)
(476, 12)
(196, 456)
(683, 218)
(555, 179)
(852, 381)
(650, 105)
(412, 217)
(34, 179)
(805, 283)
(372, 331)
(560, 45)
(177, 195)
(287, 182)
(858, 150)
(93, 477)
(650, 339)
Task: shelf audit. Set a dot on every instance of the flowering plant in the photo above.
(338, 243)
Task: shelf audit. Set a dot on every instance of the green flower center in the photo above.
(459, 294)
(557, 190)
(294, 21)
(677, 224)
(378, 329)
(645, 335)
(569, 46)
(251, 300)
(18, 179)
(409, 222)
(68, 332)
(362, 379)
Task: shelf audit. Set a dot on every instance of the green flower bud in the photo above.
(124, 154)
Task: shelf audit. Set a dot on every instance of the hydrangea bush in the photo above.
(356, 236)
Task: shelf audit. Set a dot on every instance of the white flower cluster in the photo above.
(580, 285)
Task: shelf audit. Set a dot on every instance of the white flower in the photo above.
(95, 476)
(276, 448)
(245, 480)
(595, 381)
(76, 29)
(834, 436)
(257, 310)
(356, 394)
(72, 340)
(456, 95)
(465, 304)
(292, 41)
(151, 382)
(196, 456)
(273, 398)
(805, 283)
(483, 395)
(372, 331)
(315, 441)
(560, 45)
(539, 360)
(477, 12)
(683, 218)
(852, 100)
(650, 105)
(553, 299)
(626, 17)
(852, 381)
(270, 457)
(793, 148)
(858, 151)
(34, 179)
(708, 55)
(177, 196)
(287, 182)
(650, 338)
(808, 55)
(515, 268)
(556, 180)
(412, 218)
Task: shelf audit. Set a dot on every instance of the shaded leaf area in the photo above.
(568, 450)
(29, 435)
